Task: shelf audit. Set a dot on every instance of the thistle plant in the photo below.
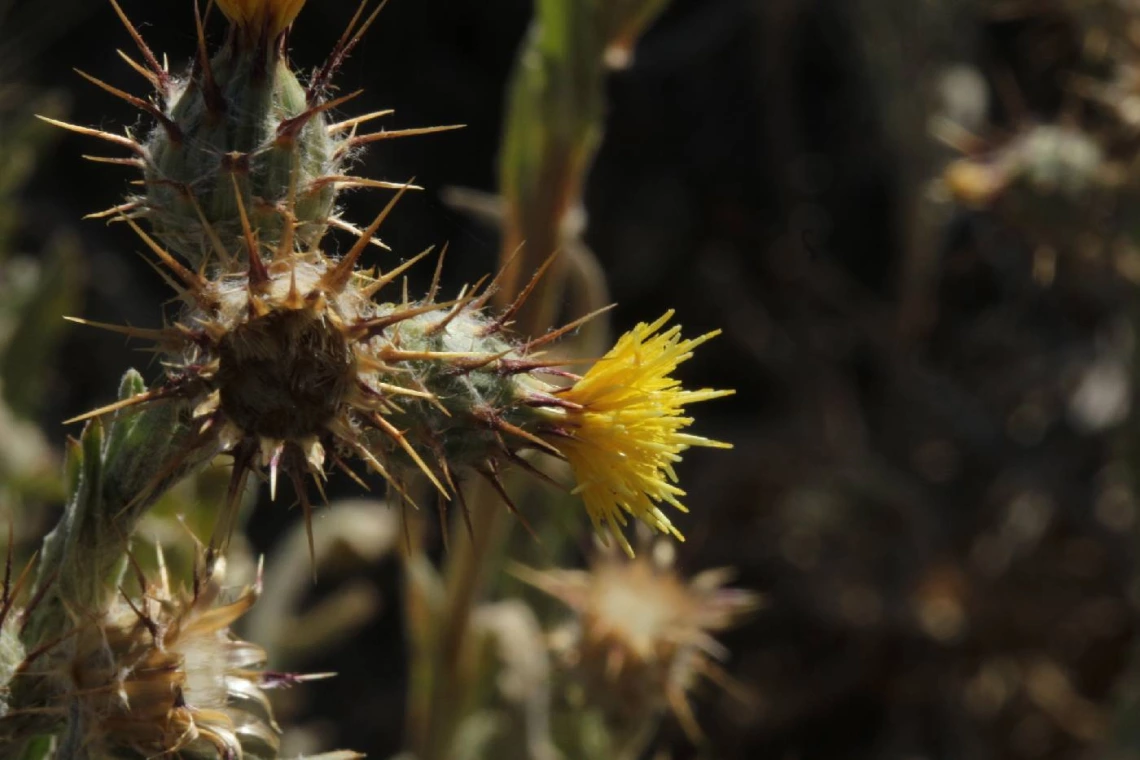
(294, 361)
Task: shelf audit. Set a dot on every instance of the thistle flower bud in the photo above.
(241, 130)
(241, 136)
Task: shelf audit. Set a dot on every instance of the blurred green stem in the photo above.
(441, 691)
(553, 126)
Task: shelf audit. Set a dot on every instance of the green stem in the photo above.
(448, 691)
(553, 127)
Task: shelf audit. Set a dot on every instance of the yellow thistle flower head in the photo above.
(261, 16)
(622, 429)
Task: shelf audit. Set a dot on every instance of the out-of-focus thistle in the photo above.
(642, 634)
(292, 363)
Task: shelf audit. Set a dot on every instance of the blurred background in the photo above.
(916, 223)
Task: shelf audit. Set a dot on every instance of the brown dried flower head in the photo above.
(162, 675)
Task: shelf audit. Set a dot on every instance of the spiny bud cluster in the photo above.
(295, 361)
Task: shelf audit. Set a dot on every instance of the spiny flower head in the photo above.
(293, 365)
(624, 422)
(162, 675)
(261, 17)
(643, 634)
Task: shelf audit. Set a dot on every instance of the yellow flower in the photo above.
(623, 426)
(256, 16)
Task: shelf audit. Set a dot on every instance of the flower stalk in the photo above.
(553, 126)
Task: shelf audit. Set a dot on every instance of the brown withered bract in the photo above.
(161, 674)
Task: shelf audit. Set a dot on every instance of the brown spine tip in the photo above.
(371, 327)
(335, 280)
(143, 71)
(289, 129)
(463, 366)
(141, 398)
(341, 224)
(433, 291)
(351, 473)
(356, 121)
(554, 335)
(125, 142)
(394, 134)
(490, 471)
(348, 40)
(307, 513)
(293, 299)
(161, 78)
(519, 366)
(523, 464)
(244, 456)
(18, 588)
(491, 418)
(463, 302)
(134, 163)
(211, 93)
(390, 430)
(505, 318)
(115, 211)
(193, 281)
(170, 338)
(173, 131)
(445, 468)
(258, 272)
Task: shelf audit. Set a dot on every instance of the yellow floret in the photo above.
(626, 433)
(258, 15)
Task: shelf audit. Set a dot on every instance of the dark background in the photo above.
(756, 175)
